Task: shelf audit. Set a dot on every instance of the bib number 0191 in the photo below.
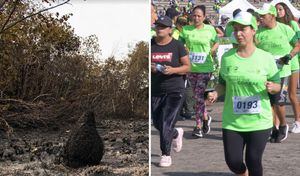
(198, 58)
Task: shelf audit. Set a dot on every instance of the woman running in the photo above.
(201, 42)
(247, 75)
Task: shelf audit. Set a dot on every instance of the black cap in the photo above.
(172, 12)
(164, 20)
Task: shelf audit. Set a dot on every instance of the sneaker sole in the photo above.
(295, 129)
(200, 136)
(165, 165)
(208, 123)
(209, 119)
(286, 133)
(295, 132)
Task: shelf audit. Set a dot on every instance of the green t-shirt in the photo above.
(295, 61)
(153, 33)
(294, 25)
(295, 39)
(199, 43)
(228, 30)
(277, 41)
(247, 105)
(175, 34)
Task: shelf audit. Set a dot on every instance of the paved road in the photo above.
(204, 157)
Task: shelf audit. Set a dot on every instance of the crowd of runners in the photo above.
(256, 76)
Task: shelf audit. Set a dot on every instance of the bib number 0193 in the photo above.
(246, 105)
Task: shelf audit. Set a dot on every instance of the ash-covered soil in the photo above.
(39, 151)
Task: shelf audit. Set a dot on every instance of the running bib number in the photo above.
(198, 58)
(246, 105)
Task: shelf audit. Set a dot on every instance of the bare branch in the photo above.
(42, 95)
(9, 16)
(31, 15)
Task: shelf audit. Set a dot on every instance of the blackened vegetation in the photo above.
(85, 146)
(43, 63)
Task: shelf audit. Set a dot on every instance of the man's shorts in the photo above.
(280, 98)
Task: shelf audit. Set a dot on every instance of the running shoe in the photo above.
(296, 127)
(206, 125)
(274, 134)
(198, 132)
(283, 133)
(177, 142)
(165, 161)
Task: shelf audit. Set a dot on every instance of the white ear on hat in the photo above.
(266, 7)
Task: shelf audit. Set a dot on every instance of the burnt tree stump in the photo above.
(84, 146)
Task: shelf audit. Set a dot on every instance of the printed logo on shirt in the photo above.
(161, 57)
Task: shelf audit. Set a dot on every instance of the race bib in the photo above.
(198, 58)
(246, 105)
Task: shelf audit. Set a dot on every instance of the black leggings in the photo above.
(234, 143)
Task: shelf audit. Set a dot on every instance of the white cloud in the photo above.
(116, 24)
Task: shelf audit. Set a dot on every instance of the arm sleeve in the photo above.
(290, 34)
(296, 37)
(295, 26)
(221, 80)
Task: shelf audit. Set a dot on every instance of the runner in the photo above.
(247, 75)
(180, 22)
(219, 29)
(153, 19)
(276, 38)
(284, 15)
(201, 42)
(224, 21)
(169, 62)
(229, 29)
(186, 111)
(173, 14)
